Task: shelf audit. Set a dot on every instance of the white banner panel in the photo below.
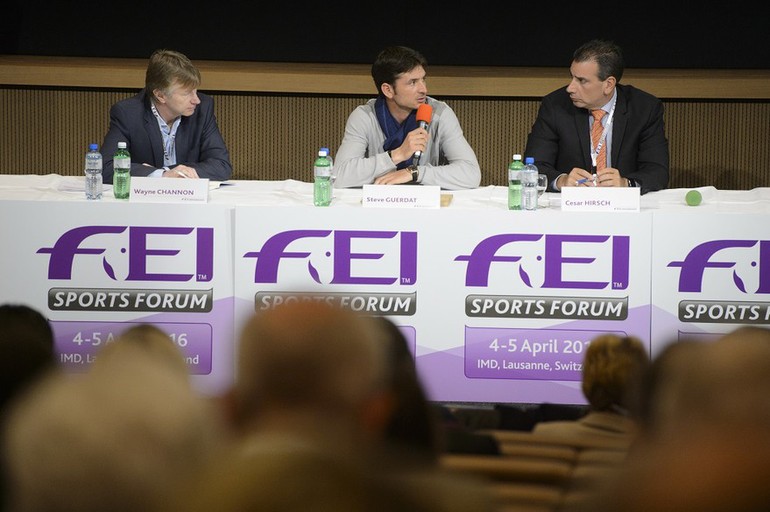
(497, 305)
(711, 274)
(96, 268)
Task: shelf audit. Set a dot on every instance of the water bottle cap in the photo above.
(93, 147)
(122, 145)
(517, 156)
(529, 160)
(325, 149)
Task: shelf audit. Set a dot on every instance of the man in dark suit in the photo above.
(629, 148)
(170, 127)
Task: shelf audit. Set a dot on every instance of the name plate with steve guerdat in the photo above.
(600, 199)
(168, 190)
(401, 196)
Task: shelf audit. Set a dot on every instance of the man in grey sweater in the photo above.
(383, 135)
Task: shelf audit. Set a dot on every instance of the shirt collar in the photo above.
(607, 107)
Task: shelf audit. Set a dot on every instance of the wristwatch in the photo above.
(415, 172)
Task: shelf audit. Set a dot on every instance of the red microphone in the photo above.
(424, 113)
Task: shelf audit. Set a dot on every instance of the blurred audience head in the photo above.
(112, 439)
(414, 424)
(707, 442)
(148, 339)
(726, 382)
(612, 370)
(707, 470)
(26, 349)
(24, 322)
(310, 362)
(658, 396)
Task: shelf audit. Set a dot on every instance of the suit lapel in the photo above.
(182, 140)
(580, 117)
(153, 134)
(619, 125)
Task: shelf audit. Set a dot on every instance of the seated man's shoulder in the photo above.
(131, 108)
(558, 97)
(438, 106)
(441, 110)
(363, 113)
(366, 108)
(638, 95)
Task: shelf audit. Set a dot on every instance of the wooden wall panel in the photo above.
(275, 136)
(725, 144)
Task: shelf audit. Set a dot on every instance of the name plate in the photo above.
(401, 196)
(600, 199)
(168, 190)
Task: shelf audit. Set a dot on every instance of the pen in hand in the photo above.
(181, 174)
(585, 180)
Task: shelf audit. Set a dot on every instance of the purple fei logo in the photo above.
(296, 245)
(753, 267)
(552, 257)
(138, 252)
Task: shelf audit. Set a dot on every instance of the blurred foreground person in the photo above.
(613, 367)
(26, 349)
(148, 339)
(313, 403)
(708, 448)
(612, 371)
(413, 424)
(26, 355)
(116, 438)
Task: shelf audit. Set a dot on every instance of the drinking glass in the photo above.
(542, 184)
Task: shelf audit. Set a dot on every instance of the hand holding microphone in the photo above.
(424, 114)
(413, 139)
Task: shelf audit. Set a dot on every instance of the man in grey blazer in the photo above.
(169, 126)
(631, 148)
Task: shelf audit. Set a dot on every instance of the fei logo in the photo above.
(749, 261)
(397, 263)
(172, 247)
(558, 261)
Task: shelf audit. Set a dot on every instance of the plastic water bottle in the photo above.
(93, 172)
(322, 180)
(529, 184)
(121, 165)
(514, 183)
(331, 170)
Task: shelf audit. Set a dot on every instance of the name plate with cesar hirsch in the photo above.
(600, 199)
(168, 190)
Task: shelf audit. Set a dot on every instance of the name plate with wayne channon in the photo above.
(168, 190)
(401, 196)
